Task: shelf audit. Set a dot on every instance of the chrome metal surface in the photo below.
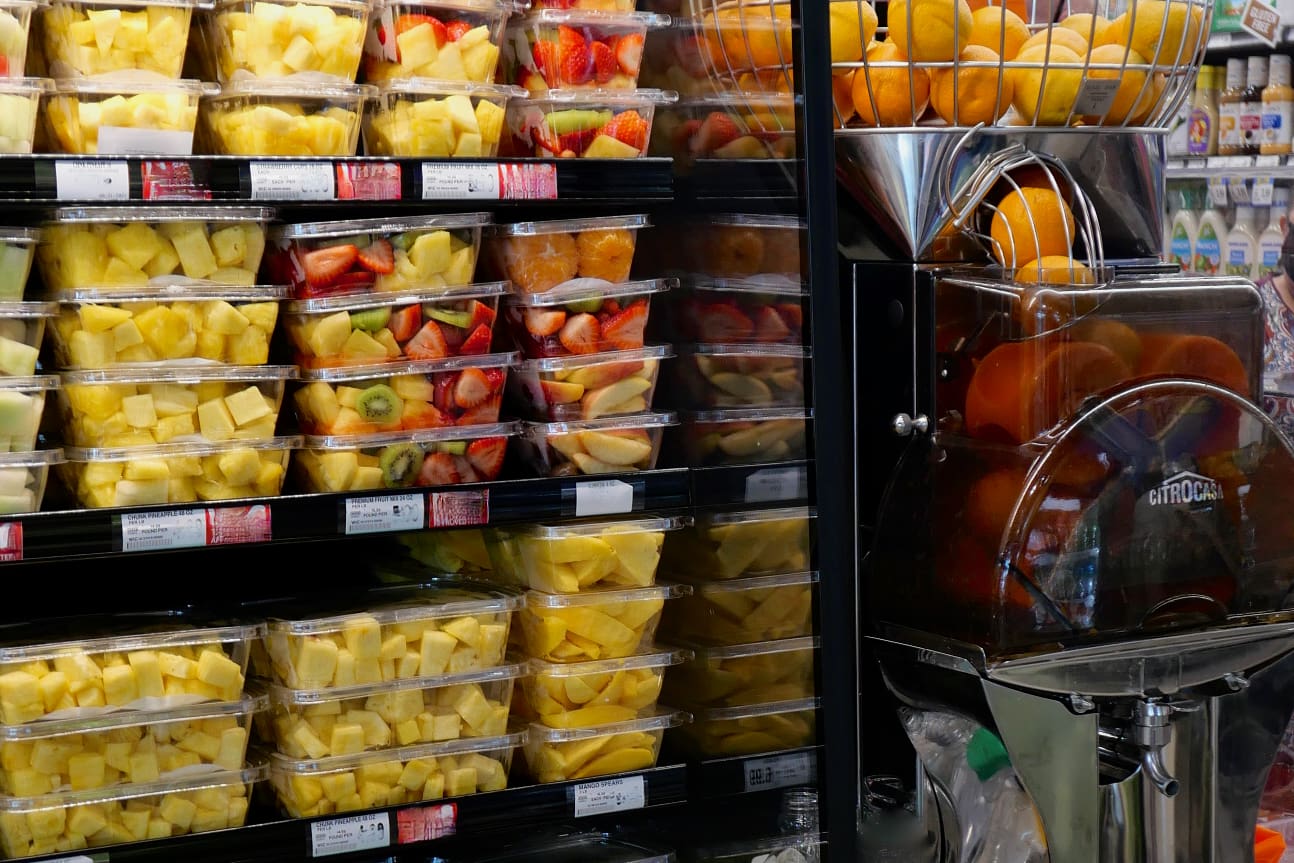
(904, 425)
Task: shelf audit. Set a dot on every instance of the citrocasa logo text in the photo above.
(1185, 487)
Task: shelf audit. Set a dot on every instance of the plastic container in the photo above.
(84, 753)
(123, 662)
(588, 387)
(177, 472)
(744, 246)
(454, 627)
(388, 397)
(96, 37)
(325, 723)
(743, 674)
(363, 329)
(180, 403)
(741, 375)
(124, 113)
(22, 325)
(452, 551)
(22, 479)
(582, 316)
(560, 754)
(582, 123)
(580, 556)
(578, 694)
(276, 38)
(99, 329)
(304, 114)
(727, 731)
(426, 118)
(577, 848)
(541, 52)
(744, 435)
(539, 257)
(793, 847)
(746, 125)
(608, 445)
(465, 47)
(743, 610)
(15, 29)
(433, 457)
(19, 110)
(31, 826)
(768, 309)
(747, 542)
(372, 780)
(595, 624)
(17, 250)
(129, 247)
(22, 402)
(321, 259)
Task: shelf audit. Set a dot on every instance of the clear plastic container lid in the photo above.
(31, 459)
(745, 415)
(604, 595)
(767, 283)
(352, 5)
(738, 100)
(751, 711)
(484, 7)
(746, 516)
(594, 18)
(299, 85)
(614, 98)
(194, 779)
(749, 350)
(662, 719)
(161, 214)
(27, 310)
(20, 236)
(659, 659)
(583, 289)
(36, 382)
(708, 587)
(650, 524)
(182, 4)
(754, 220)
(765, 850)
(171, 293)
(419, 436)
(579, 361)
(437, 87)
(180, 373)
(342, 374)
(30, 642)
(132, 81)
(24, 87)
(570, 226)
(580, 848)
(113, 718)
(280, 763)
(390, 225)
(350, 302)
(77, 454)
(631, 421)
(755, 648)
(454, 598)
(304, 697)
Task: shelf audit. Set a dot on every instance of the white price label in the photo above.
(448, 180)
(1096, 96)
(613, 795)
(80, 858)
(293, 181)
(781, 483)
(343, 835)
(1267, 161)
(1196, 163)
(1238, 189)
(384, 513)
(92, 180)
(154, 531)
(124, 141)
(779, 771)
(1218, 191)
(1262, 192)
(604, 497)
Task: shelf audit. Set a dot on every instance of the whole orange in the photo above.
(1000, 30)
(971, 94)
(899, 92)
(1031, 223)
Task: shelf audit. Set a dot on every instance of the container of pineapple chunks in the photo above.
(173, 402)
(22, 402)
(93, 37)
(83, 753)
(743, 610)
(23, 476)
(580, 556)
(721, 732)
(129, 247)
(448, 40)
(451, 627)
(15, 28)
(99, 329)
(17, 249)
(22, 326)
(742, 674)
(275, 38)
(559, 754)
(747, 542)
(580, 694)
(436, 119)
(177, 472)
(304, 114)
(348, 720)
(600, 623)
(71, 821)
(19, 111)
(124, 662)
(124, 112)
(371, 780)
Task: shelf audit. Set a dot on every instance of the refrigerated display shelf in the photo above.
(733, 180)
(744, 774)
(1244, 167)
(780, 483)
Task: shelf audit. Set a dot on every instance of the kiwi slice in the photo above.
(379, 404)
(589, 306)
(453, 447)
(577, 120)
(370, 320)
(400, 464)
(447, 316)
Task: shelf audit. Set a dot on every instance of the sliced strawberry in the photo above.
(717, 130)
(454, 338)
(604, 62)
(629, 53)
(405, 23)
(456, 30)
(486, 455)
(722, 323)
(486, 412)
(628, 127)
(544, 322)
(438, 468)
(465, 469)
(683, 134)
(547, 58)
(428, 344)
(793, 314)
(580, 334)
(496, 377)
(478, 342)
(323, 267)
(624, 332)
(404, 322)
(472, 388)
(545, 140)
(576, 142)
(574, 58)
(769, 326)
(443, 395)
(481, 314)
(609, 307)
(4, 65)
(378, 257)
(354, 280)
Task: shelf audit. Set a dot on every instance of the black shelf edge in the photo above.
(776, 483)
(744, 774)
(723, 181)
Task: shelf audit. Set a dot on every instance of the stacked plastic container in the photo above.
(399, 387)
(749, 622)
(588, 629)
(162, 339)
(401, 701)
(137, 730)
(20, 96)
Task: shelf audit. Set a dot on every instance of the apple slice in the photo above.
(602, 374)
(786, 379)
(749, 441)
(560, 392)
(615, 449)
(744, 387)
(604, 401)
(588, 464)
(566, 444)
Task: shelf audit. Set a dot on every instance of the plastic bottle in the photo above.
(1278, 108)
(799, 817)
(1251, 106)
(1203, 132)
(1240, 254)
(1230, 142)
(1273, 236)
(1209, 240)
(1185, 227)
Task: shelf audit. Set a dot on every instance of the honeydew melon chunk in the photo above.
(16, 358)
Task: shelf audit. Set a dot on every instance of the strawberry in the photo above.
(443, 394)
(486, 455)
(544, 140)
(723, 323)
(4, 66)
(496, 377)
(405, 23)
(378, 257)
(438, 468)
(456, 30)
(628, 127)
(454, 338)
(323, 267)
(478, 342)
(629, 53)
(428, 344)
(472, 388)
(682, 135)
(486, 412)
(355, 279)
(542, 322)
(769, 326)
(576, 142)
(580, 334)
(624, 332)
(609, 307)
(481, 314)
(465, 469)
(717, 129)
(547, 58)
(575, 62)
(793, 314)
(405, 322)
(421, 415)
(604, 62)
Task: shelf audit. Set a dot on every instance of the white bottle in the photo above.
(1273, 236)
(1180, 248)
(1240, 254)
(1209, 242)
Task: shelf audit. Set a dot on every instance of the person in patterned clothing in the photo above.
(1277, 290)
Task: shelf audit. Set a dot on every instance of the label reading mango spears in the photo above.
(611, 795)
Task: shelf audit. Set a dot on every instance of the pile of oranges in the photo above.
(1033, 230)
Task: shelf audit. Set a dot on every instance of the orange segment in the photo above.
(606, 254)
(734, 251)
(537, 263)
(1193, 356)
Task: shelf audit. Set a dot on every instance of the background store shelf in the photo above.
(1247, 167)
(1240, 43)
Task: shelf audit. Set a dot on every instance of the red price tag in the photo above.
(368, 181)
(421, 823)
(527, 182)
(458, 508)
(11, 540)
(238, 524)
(172, 181)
